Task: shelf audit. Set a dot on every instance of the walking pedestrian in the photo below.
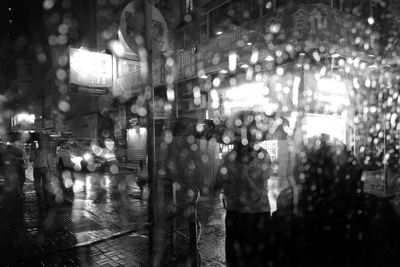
(55, 186)
(39, 158)
(142, 177)
(243, 179)
(17, 161)
(331, 230)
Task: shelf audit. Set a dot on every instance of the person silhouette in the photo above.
(40, 170)
(242, 177)
(142, 177)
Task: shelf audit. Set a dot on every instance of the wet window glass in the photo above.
(199, 133)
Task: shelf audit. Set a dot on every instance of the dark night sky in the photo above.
(14, 18)
(19, 33)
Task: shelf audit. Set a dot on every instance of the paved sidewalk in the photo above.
(96, 227)
(77, 232)
(211, 245)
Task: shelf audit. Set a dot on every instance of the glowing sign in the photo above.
(90, 68)
(238, 97)
(23, 119)
(333, 125)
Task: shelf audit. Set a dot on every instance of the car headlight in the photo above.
(76, 160)
(109, 156)
(87, 156)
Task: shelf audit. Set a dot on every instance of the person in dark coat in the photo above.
(243, 178)
(40, 170)
(337, 224)
(12, 166)
(330, 201)
(142, 177)
(16, 157)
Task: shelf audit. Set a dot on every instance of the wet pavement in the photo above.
(39, 232)
(102, 222)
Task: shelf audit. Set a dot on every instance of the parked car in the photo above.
(87, 154)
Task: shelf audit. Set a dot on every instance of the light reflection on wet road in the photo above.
(114, 198)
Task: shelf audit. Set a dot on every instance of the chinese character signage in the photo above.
(90, 69)
(310, 26)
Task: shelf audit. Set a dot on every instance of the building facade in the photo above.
(311, 63)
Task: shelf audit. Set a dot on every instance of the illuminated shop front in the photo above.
(307, 101)
(23, 121)
(136, 140)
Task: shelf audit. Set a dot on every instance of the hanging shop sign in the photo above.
(187, 63)
(90, 69)
(132, 27)
(319, 24)
(23, 121)
(130, 77)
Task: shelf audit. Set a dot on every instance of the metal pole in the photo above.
(154, 259)
(384, 161)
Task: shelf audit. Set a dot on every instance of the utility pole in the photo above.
(154, 238)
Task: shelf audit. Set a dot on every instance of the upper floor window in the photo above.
(188, 6)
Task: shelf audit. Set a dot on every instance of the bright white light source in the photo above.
(274, 28)
(246, 91)
(218, 33)
(24, 118)
(216, 82)
(333, 125)
(90, 68)
(269, 58)
(244, 66)
(223, 71)
(371, 20)
(280, 71)
(109, 143)
(196, 92)
(232, 62)
(254, 57)
(78, 186)
(214, 98)
(332, 91)
(296, 84)
(117, 48)
(76, 160)
(332, 85)
(170, 94)
(87, 156)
